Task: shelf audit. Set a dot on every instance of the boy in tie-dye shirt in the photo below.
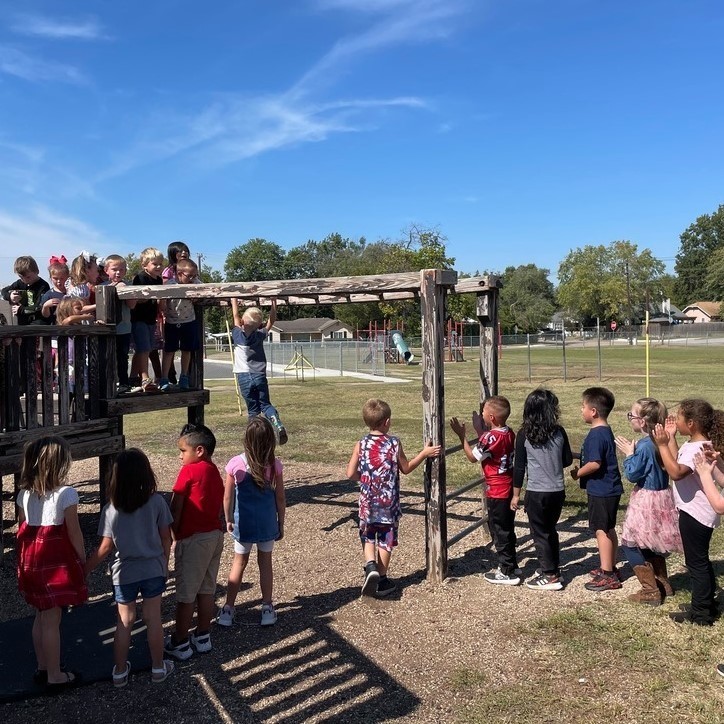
(376, 462)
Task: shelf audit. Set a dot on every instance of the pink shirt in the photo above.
(688, 493)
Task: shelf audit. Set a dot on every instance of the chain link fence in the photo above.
(305, 359)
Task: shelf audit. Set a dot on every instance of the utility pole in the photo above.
(630, 306)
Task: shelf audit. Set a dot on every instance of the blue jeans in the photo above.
(254, 388)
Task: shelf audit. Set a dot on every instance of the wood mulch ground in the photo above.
(332, 656)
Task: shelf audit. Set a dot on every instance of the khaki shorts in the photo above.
(197, 565)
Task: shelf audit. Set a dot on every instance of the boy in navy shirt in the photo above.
(600, 477)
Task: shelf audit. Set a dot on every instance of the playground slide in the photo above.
(402, 347)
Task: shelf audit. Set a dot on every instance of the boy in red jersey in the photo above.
(196, 506)
(494, 451)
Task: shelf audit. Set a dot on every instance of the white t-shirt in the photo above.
(688, 493)
(50, 509)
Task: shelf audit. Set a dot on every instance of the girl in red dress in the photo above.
(51, 552)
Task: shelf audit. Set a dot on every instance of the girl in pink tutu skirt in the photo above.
(651, 525)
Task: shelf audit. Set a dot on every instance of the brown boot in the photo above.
(649, 593)
(658, 563)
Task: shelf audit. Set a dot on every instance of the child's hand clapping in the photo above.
(478, 424)
(624, 445)
(670, 425)
(661, 434)
(458, 427)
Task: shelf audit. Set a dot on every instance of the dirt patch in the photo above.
(461, 651)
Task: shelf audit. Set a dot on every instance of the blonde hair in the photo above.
(150, 254)
(65, 308)
(187, 265)
(375, 412)
(46, 464)
(500, 407)
(652, 413)
(79, 267)
(253, 314)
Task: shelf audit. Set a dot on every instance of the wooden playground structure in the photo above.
(91, 415)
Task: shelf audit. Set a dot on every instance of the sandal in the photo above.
(159, 675)
(148, 385)
(61, 686)
(120, 680)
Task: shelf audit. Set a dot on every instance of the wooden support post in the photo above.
(196, 371)
(432, 298)
(487, 311)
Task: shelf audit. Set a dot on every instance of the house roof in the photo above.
(308, 325)
(712, 309)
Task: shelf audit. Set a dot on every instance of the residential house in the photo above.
(699, 312)
(310, 329)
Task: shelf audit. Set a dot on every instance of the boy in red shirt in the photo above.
(196, 505)
(494, 451)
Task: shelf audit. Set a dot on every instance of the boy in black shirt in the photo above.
(25, 294)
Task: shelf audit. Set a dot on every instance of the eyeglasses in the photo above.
(630, 416)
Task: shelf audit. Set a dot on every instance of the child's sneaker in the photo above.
(594, 573)
(497, 576)
(372, 578)
(164, 385)
(604, 582)
(281, 430)
(183, 382)
(720, 669)
(542, 582)
(268, 614)
(179, 651)
(226, 616)
(201, 643)
(385, 586)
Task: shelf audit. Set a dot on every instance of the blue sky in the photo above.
(519, 128)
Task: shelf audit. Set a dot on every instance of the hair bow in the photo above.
(87, 256)
(57, 260)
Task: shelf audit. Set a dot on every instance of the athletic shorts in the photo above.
(244, 549)
(384, 534)
(602, 512)
(181, 336)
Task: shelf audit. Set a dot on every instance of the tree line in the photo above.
(604, 282)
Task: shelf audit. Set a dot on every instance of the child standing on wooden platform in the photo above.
(51, 552)
(377, 461)
(494, 451)
(255, 509)
(136, 523)
(651, 526)
(542, 451)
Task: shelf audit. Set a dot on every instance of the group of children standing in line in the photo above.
(138, 527)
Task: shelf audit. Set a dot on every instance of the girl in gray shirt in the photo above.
(542, 451)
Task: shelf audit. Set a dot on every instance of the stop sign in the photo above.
(613, 325)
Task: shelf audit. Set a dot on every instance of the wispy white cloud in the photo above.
(43, 232)
(45, 27)
(19, 64)
(233, 127)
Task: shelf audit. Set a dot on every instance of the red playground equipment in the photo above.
(454, 341)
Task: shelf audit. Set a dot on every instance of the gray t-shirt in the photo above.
(543, 465)
(139, 551)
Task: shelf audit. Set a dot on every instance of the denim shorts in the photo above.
(148, 588)
(143, 335)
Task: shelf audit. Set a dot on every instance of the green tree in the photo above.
(608, 282)
(698, 242)
(133, 263)
(257, 260)
(527, 299)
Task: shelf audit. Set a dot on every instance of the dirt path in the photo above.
(333, 657)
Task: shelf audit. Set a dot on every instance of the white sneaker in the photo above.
(497, 576)
(201, 643)
(226, 616)
(181, 652)
(268, 615)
